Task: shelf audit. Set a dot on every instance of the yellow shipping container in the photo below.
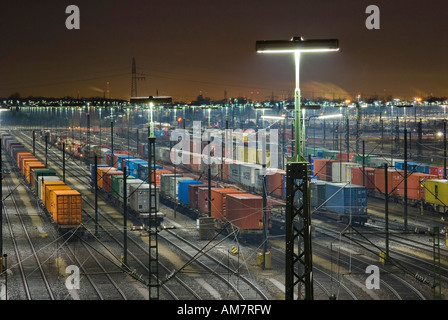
(251, 156)
(436, 193)
(66, 207)
(48, 190)
(242, 153)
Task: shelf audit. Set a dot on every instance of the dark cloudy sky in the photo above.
(187, 47)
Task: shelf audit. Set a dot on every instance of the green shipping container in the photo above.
(116, 182)
(41, 173)
(329, 154)
(358, 158)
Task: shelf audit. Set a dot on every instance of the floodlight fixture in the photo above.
(283, 117)
(151, 99)
(298, 45)
(331, 116)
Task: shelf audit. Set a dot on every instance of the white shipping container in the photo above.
(341, 171)
(44, 178)
(128, 183)
(139, 197)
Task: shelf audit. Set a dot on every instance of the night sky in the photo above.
(185, 48)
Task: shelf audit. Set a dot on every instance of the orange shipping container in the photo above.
(322, 169)
(246, 211)
(66, 207)
(49, 189)
(218, 202)
(20, 156)
(394, 180)
(416, 185)
(100, 173)
(276, 183)
(49, 183)
(25, 160)
(369, 177)
(30, 165)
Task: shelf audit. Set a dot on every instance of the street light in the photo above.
(297, 45)
(297, 174)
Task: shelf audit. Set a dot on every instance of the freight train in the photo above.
(235, 209)
(111, 182)
(425, 184)
(60, 202)
(347, 202)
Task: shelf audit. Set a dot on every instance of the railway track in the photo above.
(82, 176)
(234, 280)
(396, 280)
(36, 285)
(323, 280)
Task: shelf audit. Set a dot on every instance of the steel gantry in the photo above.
(299, 267)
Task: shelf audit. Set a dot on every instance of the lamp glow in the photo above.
(297, 45)
(331, 116)
(274, 117)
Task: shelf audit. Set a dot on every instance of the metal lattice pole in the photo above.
(299, 272)
(154, 285)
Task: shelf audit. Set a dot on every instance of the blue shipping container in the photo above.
(133, 166)
(142, 171)
(93, 172)
(120, 158)
(346, 199)
(183, 189)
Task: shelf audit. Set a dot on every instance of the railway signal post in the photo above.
(299, 270)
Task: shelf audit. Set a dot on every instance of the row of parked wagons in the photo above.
(62, 203)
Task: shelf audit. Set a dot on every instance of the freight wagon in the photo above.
(60, 202)
(342, 201)
(110, 183)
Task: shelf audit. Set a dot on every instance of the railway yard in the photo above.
(109, 245)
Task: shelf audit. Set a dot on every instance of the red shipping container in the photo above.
(369, 179)
(342, 156)
(193, 194)
(275, 183)
(434, 170)
(218, 202)
(440, 172)
(23, 159)
(245, 211)
(329, 171)
(107, 179)
(394, 180)
(116, 160)
(322, 168)
(159, 173)
(416, 185)
(203, 199)
(101, 173)
(20, 156)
